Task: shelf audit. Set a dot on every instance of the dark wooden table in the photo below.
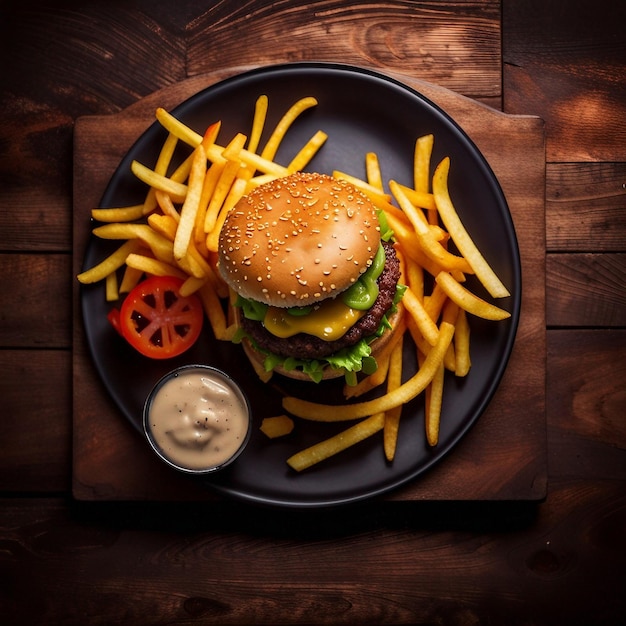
(556, 554)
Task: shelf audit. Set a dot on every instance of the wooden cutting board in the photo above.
(503, 457)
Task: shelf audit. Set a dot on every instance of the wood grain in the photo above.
(457, 47)
(40, 434)
(564, 64)
(36, 314)
(509, 444)
(587, 403)
(586, 207)
(586, 289)
(227, 566)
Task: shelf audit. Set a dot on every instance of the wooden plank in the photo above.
(457, 47)
(587, 404)
(586, 290)
(36, 199)
(112, 462)
(38, 313)
(98, 61)
(36, 439)
(586, 207)
(402, 564)
(570, 75)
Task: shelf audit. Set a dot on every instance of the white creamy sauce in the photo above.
(197, 420)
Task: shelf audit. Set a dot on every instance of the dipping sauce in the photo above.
(197, 419)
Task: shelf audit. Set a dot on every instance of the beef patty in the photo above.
(303, 346)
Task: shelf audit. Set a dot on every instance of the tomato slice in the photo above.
(157, 321)
(114, 319)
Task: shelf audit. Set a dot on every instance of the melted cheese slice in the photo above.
(329, 322)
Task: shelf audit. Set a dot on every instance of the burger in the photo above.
(315, 276)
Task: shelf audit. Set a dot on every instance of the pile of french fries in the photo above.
(176, 229)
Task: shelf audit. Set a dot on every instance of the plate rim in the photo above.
(486, 398)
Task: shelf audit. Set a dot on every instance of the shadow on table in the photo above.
(309, 524)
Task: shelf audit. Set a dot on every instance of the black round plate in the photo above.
(361, 111)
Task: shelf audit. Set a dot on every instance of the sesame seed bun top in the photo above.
(298, 240)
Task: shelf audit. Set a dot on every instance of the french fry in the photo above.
(215, 313)
(210, 135)
(181, 173)
(153, 266)
(177, 128)
(236, 192)
(307, 152)
(434, 399)
(161, 166)
(130, 279)
(111, 263)
(166, 205)
(421, 163)
(421, 171)
(334, 445)
(257, 181)
(111, 287)
(164, 225)
(223, 185)
(403, 394)
(271, 147)
(415, 278)
(406, 237)
(378, 197)
(191, 285)
(118, 214)
(276, 426)
(420, 199)
(423, 347)
(258, 122)
(165, 155)
(392, 416)
(460, 236)
(424, 322)
(211, 180)
(235, 146)
(160, 246)
(186, 225)
(462, 345)
(373, 173)
(197, 265)
(176, 190)
(191, 267)
(450, 315)
(433, 304)
(261, 164)
(467, 300)
(426, 235)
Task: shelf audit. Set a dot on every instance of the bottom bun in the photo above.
(257, 358)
